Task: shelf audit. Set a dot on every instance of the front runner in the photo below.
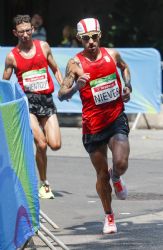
(103, 120)
(30, 60)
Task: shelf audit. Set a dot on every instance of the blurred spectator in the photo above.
(68, 37)
(39, 30)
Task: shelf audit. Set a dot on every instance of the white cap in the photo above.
(87, 25)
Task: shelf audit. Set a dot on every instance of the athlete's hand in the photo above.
(126, 94)
(81, 81)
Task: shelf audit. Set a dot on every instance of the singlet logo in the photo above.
(107, 59)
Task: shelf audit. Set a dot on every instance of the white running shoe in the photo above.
(109, 224)
(45, 192)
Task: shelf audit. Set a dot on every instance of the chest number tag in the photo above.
(35, 80)
(105, 89)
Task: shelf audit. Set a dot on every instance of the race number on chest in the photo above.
(105, 89)
(35, 80)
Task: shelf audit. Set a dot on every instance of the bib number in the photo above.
(105, 89)
(35, 80)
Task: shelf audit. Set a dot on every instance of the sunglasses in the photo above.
(87, 37)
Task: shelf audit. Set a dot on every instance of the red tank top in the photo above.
(102, 96)
(32, 74)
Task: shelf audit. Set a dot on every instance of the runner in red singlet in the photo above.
(105, 125)
(30, 60)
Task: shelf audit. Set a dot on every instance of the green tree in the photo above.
(135, 24)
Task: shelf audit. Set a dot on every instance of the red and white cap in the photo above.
(87, 25)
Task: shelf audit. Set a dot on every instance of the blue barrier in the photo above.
(19, 204)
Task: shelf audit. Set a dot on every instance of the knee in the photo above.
(55, 146)
(120, 166)
(41, 146)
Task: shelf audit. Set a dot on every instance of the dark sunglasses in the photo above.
(87, 37)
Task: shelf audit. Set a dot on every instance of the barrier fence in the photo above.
(19, 204)
(146, 78)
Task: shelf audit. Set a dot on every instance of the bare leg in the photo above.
(41, 159)
(52, 131)
(119, 145)
(99, 161)
(48, 134)
(41, 147)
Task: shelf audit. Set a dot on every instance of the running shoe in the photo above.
(45, 192)
(119, 187)
(109, 224)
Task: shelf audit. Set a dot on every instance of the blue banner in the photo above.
(145, 67)
(19, 203)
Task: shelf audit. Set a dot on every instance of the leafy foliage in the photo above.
(135, 24)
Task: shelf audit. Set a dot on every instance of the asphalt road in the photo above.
(77, 210)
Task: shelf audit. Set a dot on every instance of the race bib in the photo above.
(105, 89)
(35, 80)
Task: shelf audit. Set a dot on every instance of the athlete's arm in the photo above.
(73, 73)
(51, 62)
(9, 66)
(67, 90)
(125, 72)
